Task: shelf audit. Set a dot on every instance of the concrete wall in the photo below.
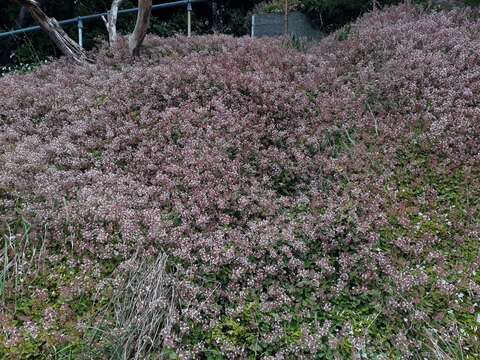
(272, 25)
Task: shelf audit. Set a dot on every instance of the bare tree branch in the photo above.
(69, 47)
(141, 27)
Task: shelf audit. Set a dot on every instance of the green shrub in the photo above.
(277, 6)
(335, 13)
(472, 2)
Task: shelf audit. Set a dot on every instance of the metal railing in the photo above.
(80, 19)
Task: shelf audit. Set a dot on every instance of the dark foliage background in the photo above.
(334, 13)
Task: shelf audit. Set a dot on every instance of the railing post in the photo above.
(80, 32)
(189, 18)
(253, 26)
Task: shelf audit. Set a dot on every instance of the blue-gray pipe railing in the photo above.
(80, 19)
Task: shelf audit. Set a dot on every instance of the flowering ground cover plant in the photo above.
(225, 198)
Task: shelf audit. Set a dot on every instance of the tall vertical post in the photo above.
(253, 25)
(285, 25)
(189, 18)
(80, 32)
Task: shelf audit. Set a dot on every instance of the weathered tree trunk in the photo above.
(67, 46)
(143, 21)
(112, 22)
(141, 27)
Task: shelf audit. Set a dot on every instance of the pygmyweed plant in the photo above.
(311, 202)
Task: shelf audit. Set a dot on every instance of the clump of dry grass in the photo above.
(143, 308)
(19, 255)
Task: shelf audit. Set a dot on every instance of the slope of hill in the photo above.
(313, 202)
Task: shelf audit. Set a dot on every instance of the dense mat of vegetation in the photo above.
(313, 201)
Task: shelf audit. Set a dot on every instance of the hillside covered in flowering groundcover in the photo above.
(225, 198)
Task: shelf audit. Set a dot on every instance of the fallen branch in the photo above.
(67, 46)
